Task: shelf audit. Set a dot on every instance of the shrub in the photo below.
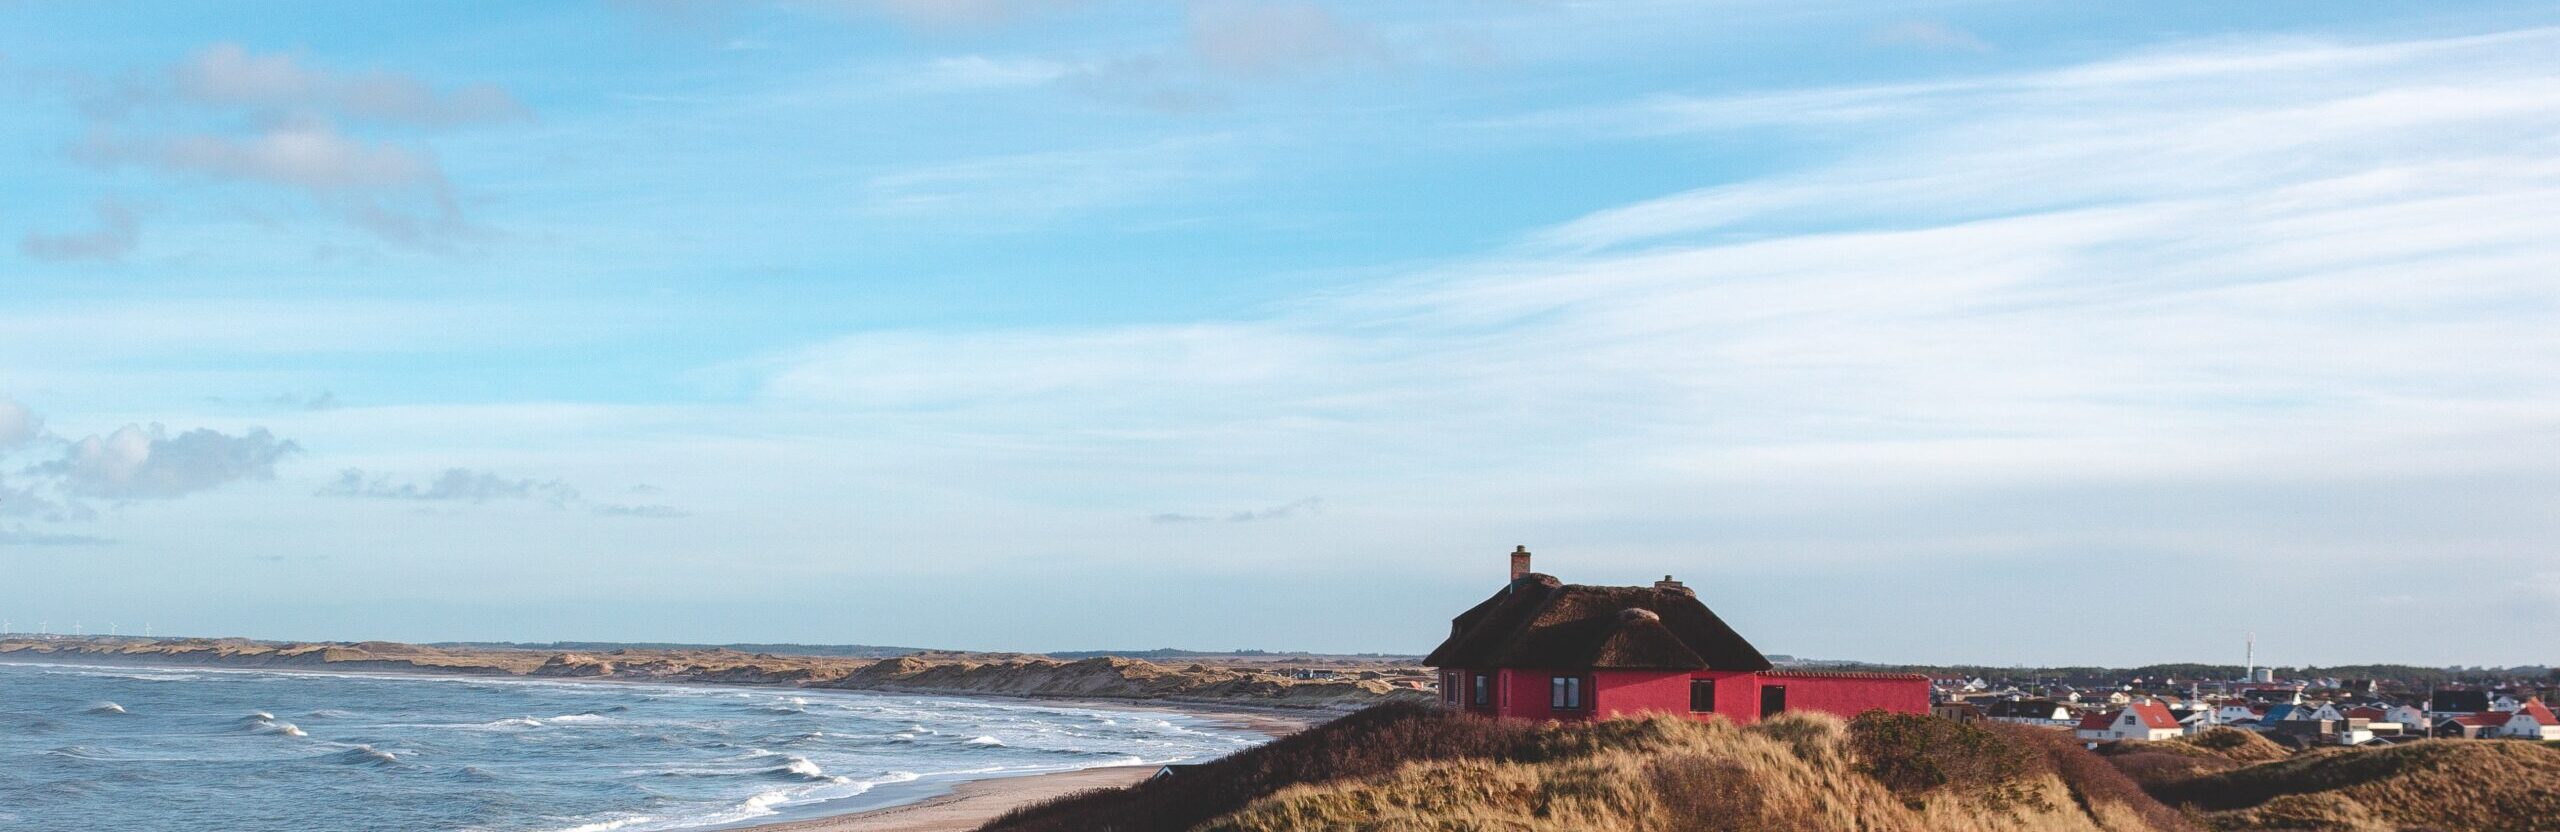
(1916, 756)
(2093, 782)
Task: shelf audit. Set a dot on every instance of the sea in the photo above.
(136, 749)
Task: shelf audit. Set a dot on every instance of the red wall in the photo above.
(1614, 693)
(1848, 696)
(1632, 692)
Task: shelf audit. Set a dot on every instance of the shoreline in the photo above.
(970, 803)
(959, 806)
(967, 805)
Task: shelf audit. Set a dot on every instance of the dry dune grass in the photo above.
(2157, 765)
(1797, 772)
(2490, 786)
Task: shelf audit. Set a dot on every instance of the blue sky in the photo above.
(1965, 331)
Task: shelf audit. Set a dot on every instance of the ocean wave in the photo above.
(105, 708)
(608, 825)
(988, 742)
(329, 713)
(266, 723)
(365, 755)
(801, 769)
(577, 719)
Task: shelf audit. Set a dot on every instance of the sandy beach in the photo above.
(972, 804)
(969, 805)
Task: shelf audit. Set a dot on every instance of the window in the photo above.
(1773, 700)
(1449, 688)
(1702, 696)
(1484, 689)
(1565, 693)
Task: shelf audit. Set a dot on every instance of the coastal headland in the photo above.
(1296, 683)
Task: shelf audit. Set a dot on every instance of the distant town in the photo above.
(2398, 704)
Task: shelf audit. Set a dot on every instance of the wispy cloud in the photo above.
(1036, 186)
(465, 485)
(227, 113)
(277, 85)
(452, 485)
(1283, 511)
(23, 536)
(2231, 273)
(119, 231)
(1265, 39)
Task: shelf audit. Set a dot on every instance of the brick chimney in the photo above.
(1519, 561)
(1669, 585)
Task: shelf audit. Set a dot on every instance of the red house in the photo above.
(1545, 649)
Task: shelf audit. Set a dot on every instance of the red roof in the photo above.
(2154, 714)
(2534, 708)
(2367, 712)
(2481, 720)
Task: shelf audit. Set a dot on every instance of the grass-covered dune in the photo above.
(2237, 780)
(1405, 767)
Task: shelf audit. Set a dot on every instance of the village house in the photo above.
(2144, 720)
(1544, 649)
(2449, 701)
(2030, 712)
(2531, 720)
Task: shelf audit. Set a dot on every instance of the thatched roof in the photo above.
(1539, 622)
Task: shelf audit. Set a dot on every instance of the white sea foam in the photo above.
(106, 708)
(985, 741)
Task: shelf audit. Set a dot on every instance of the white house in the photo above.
(2412, 718)
(2145, 720)
(2231, 713)
(2531, 721)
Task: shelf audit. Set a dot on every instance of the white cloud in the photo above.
(119, 231)
(139, 462)
(18, 425)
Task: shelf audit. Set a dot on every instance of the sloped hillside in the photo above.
(2489, 786)
(1418, 768)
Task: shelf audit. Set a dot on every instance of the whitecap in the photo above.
(106, 708)
(366, 755)
(984, 741)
